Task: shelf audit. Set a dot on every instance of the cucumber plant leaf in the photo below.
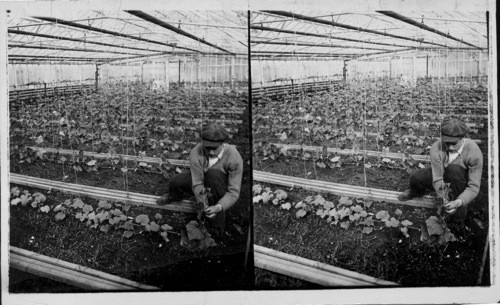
(128, 234)
(382, 215)
(166, 227)
(434, 226)
(300, 213)
(367, 230)
(286, 206)
(152, 226)
(393, 222)
(143, 219)
(60, 216)
(193, 230)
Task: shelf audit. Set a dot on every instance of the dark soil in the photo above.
(145, 257)
(382, 178)
(385, 253)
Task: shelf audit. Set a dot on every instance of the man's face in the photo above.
(212, 151)
(452, 145)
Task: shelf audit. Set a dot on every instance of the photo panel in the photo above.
(352, 184)
(129, 151)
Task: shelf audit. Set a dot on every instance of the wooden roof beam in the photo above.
(91, 28)
(349, 27)
(424, 27)
(66, 49)
(170, 27)
(316, 45)
(17, 32)
(17, 57)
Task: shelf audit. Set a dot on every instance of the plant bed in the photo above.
(383, 251)
(106, 247)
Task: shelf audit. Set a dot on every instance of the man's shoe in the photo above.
(164, 200)
(406, 195)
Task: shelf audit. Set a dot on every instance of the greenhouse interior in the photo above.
(323, 121)
(345, 108)
(105, 108)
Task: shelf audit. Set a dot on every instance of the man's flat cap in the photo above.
(213, 135)
(453, 129)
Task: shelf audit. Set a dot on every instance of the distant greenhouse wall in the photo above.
(23, 76)
(450, 64)
(220, 70)
(276, 72)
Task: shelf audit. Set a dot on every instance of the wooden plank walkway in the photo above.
(312, 271)
(340, 189)
(69, 273)
(101, 193)
(348, 152)
(176, 162)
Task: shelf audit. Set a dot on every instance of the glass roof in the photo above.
(350, 35)
(105, 36)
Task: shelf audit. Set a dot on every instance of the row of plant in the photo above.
(111, 216)
(345, 212)
(108, 122)
(385, 102)
(324, 159)
(408, 245)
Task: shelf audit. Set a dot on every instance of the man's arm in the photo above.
(475, 170)
(437, 156)
(196, 168)
(235, 174)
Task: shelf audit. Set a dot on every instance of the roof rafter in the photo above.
(316, 45)
(263, 28)
(17, 32)
(16, 57)
(86, 27)
(350, 27)
(170, 27)
(56, 48)
(423, 26)
(257, 53)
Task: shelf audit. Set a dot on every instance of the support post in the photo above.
(179, 81)
(96, 77)
(216, 66)
(427, 66)
(167, 81)
(344, 71)
(142, 72)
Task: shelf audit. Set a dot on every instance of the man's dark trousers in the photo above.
(181, 185)
(421, 180)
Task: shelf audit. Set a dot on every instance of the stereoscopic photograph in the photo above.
(129, 151)
(249, 152)
(370, 140)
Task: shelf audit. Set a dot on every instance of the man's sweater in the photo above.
(230, 163)
(471, 159)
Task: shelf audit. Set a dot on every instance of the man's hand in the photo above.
(211, 211)
(452, 206)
